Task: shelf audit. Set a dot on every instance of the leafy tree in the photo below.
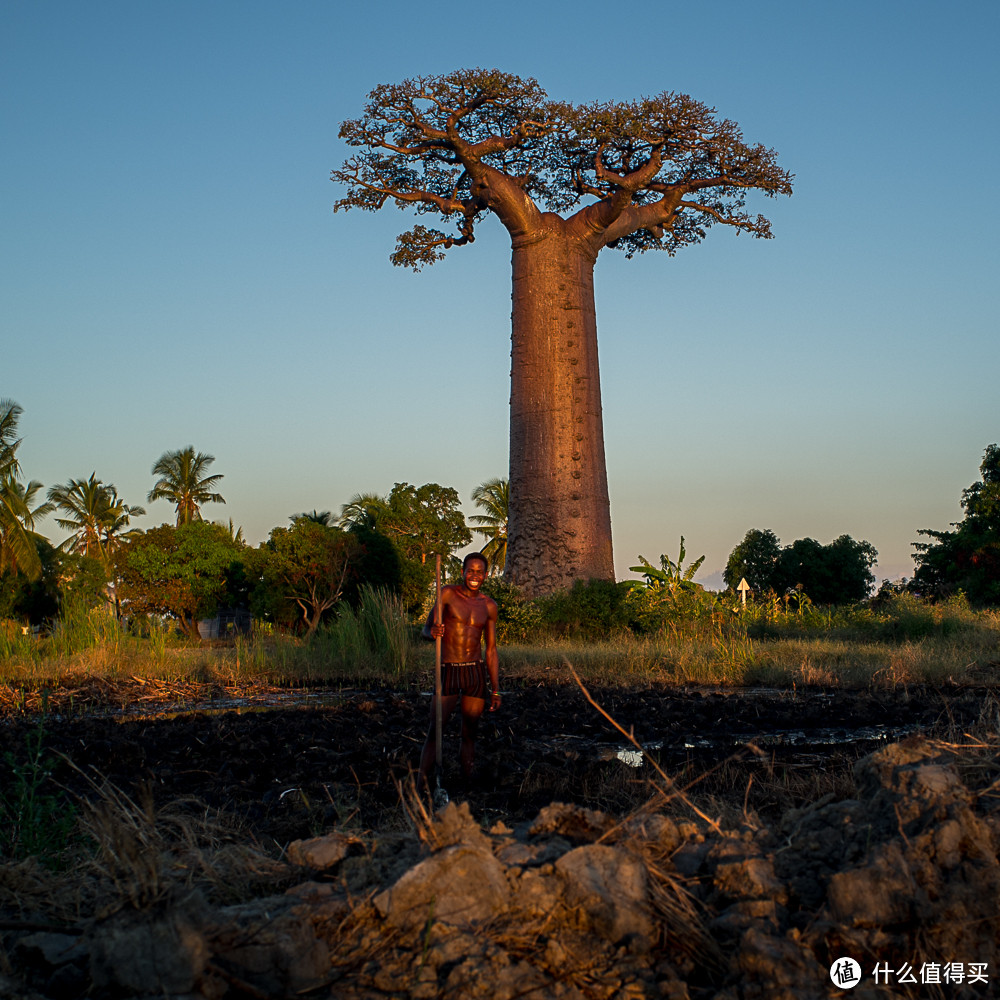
(830, 574)
(378, 565)
(967, 558)
(182, 571)
(96, 516)
(420, 521)
(981, 501)
(566, 181)
(80, 580)
(306, 566)
(18, 510)
(184, 483)
(493, 497)
(66, 579)
(756, 560)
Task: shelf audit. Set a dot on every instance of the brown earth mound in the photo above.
(903, 877)
(758, 881)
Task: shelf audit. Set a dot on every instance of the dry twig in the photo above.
(670, 789)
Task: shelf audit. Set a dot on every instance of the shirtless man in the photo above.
(467, 617)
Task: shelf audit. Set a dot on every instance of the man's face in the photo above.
(473, 574)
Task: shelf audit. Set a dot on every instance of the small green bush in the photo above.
(590, 610)
(518, 619)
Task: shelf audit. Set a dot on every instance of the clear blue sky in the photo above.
(172, 272)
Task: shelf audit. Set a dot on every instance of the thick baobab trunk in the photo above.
(559, 526)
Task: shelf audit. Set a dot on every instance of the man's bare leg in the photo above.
(428, 756)
(472, 709)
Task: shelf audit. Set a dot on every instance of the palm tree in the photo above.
(324, 517)
(363, 510)
(182, 481)
(18, 539)
(493, 497)
(10, 412)
(97, 516)
(18, 513)
(235, 534)
(118, 519)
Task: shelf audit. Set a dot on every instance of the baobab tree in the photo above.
(565, 181)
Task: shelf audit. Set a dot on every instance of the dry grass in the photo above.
(41, 897)
(733, 659)
(828, 662)
(130, 853)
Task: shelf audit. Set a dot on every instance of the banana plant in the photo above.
(672, 580)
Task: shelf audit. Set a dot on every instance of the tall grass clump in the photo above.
(253, 658)
(386, 629)
(79, 628)
(373, 639)
(17, 643)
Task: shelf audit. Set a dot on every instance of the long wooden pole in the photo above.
(437, 663)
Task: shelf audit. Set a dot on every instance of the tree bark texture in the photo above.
(559, 526)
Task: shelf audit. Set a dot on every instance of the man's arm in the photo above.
(428, 632)
(492, 656)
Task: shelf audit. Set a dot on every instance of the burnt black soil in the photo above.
(293, 772)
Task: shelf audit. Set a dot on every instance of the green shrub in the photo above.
(651, 610)
(590, 609)
(518, 619)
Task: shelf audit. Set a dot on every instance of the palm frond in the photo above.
(492, 497)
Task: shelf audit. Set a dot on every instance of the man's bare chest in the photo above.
(472, 613)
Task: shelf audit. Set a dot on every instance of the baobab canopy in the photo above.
(565, 181)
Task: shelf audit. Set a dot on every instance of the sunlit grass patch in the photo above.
(904, 641)
(636, 660)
